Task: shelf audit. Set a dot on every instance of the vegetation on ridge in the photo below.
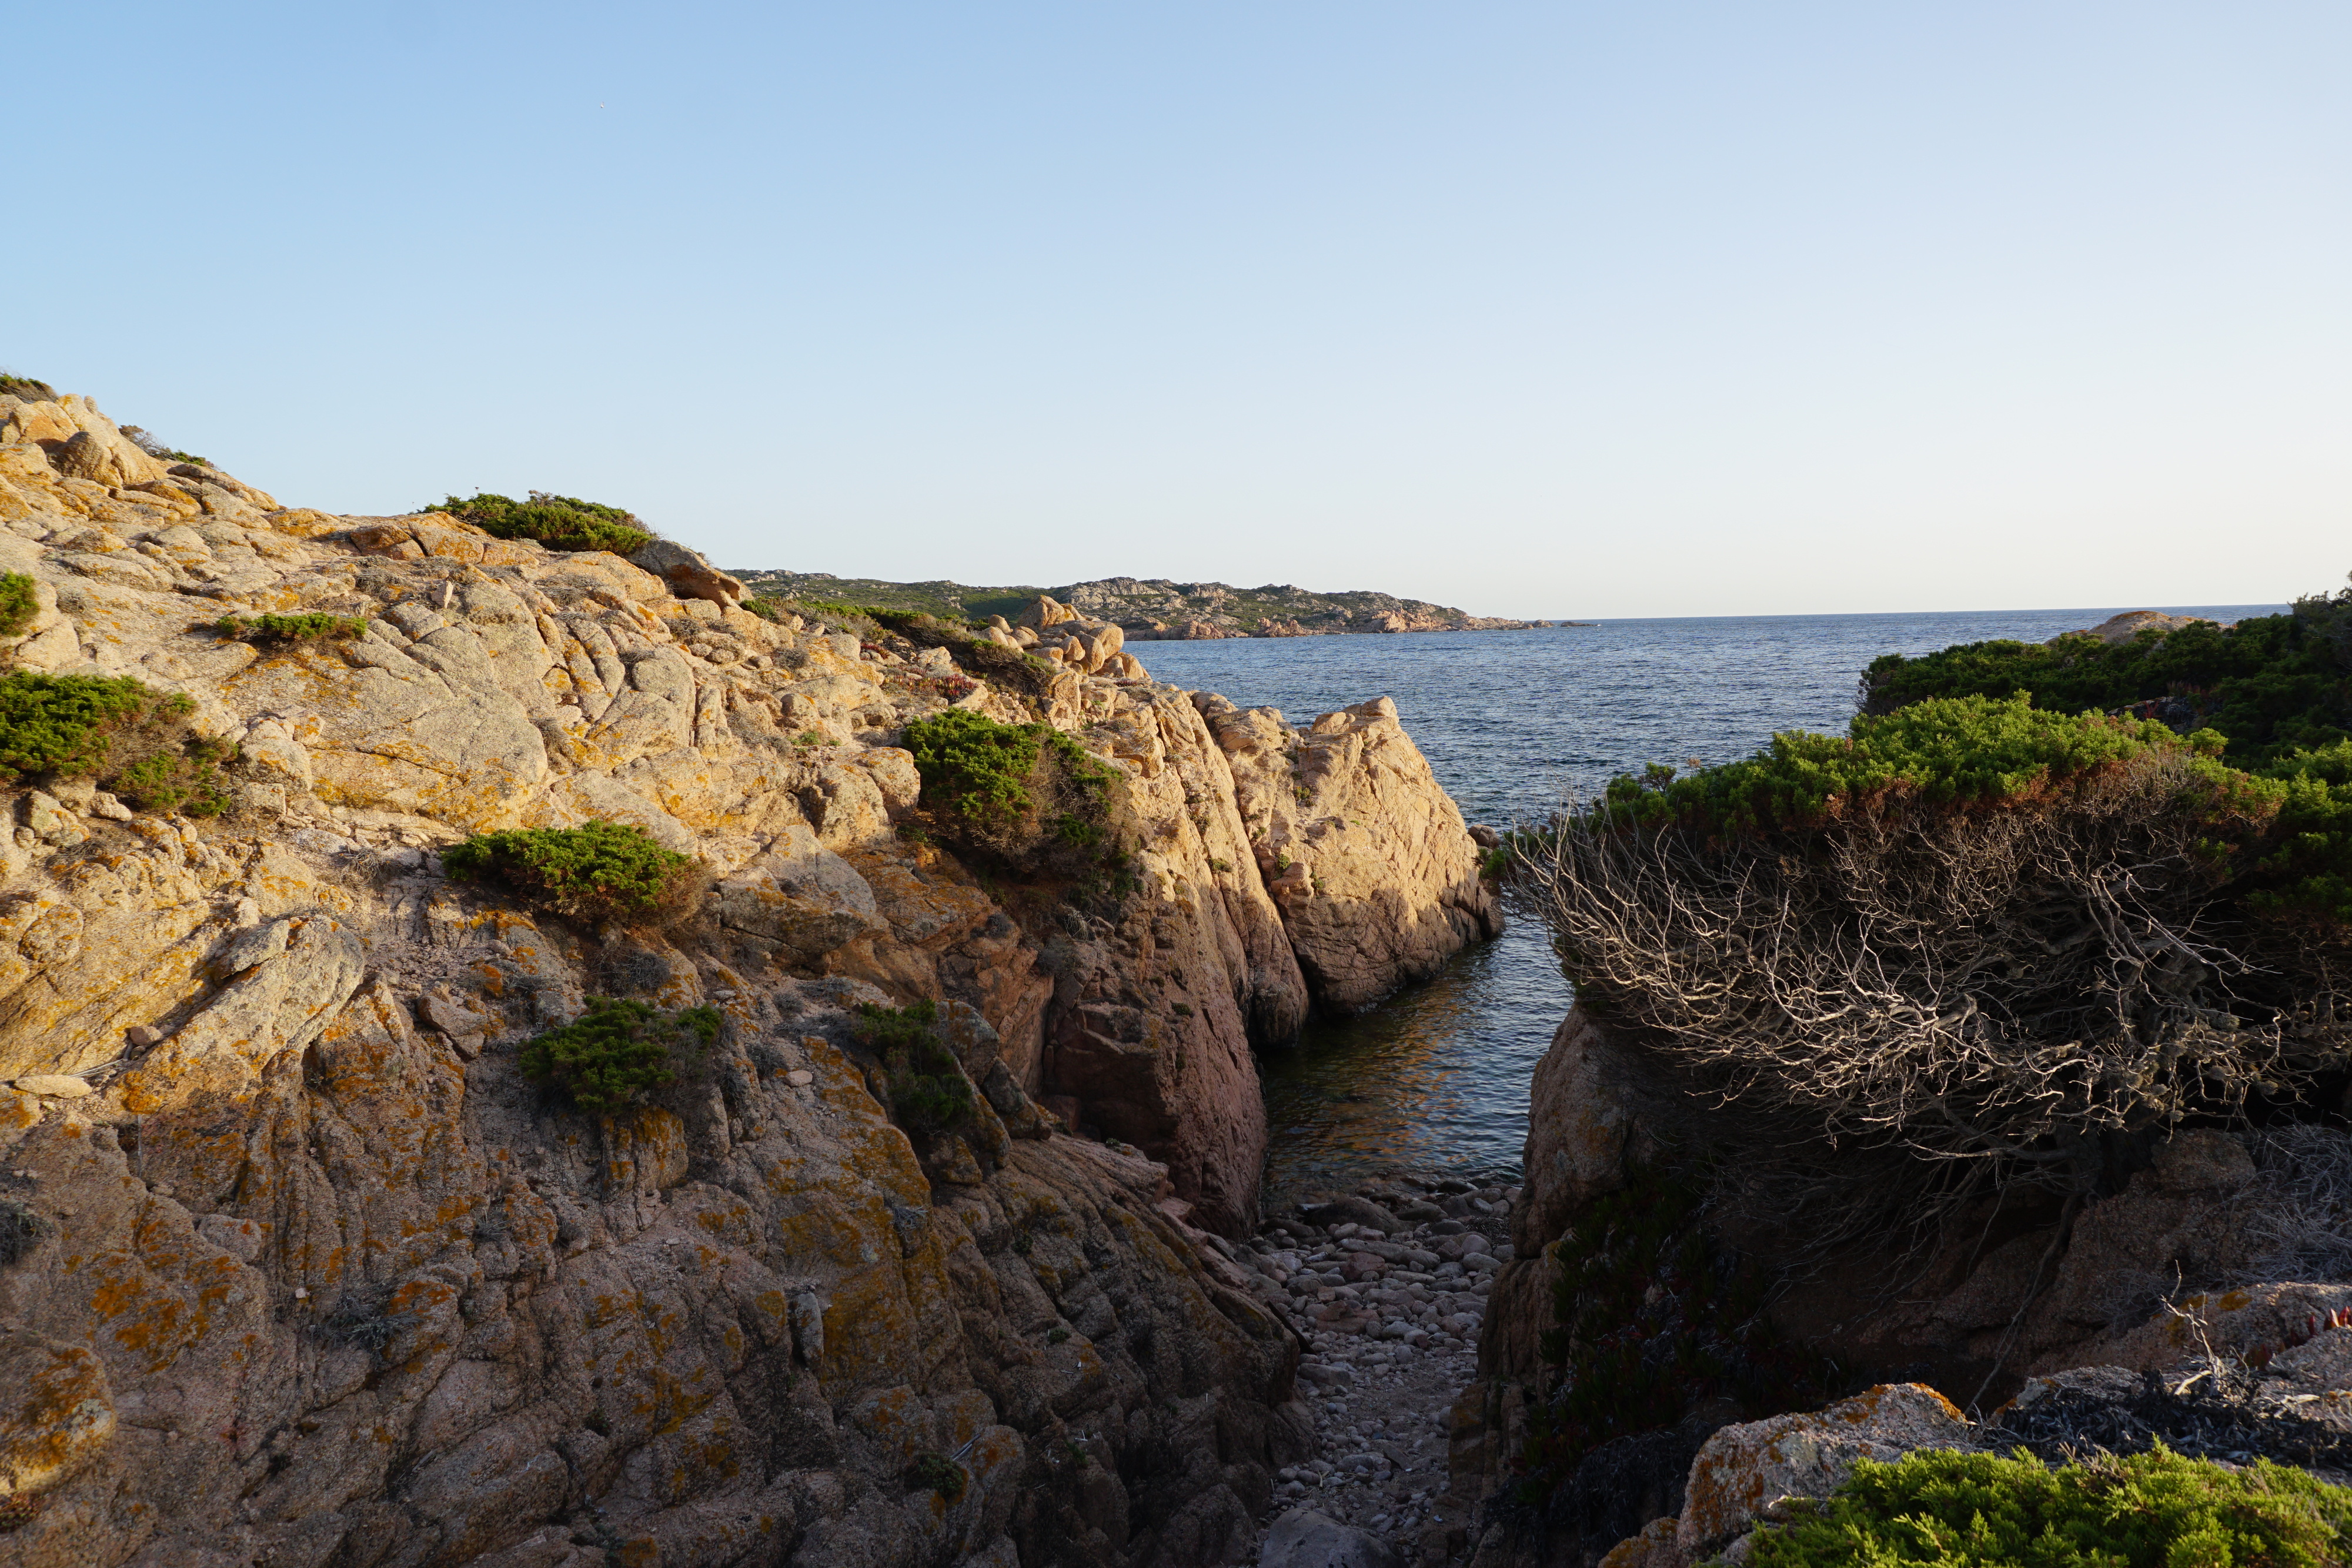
(559, 522)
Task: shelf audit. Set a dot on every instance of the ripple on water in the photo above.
(1511, 722)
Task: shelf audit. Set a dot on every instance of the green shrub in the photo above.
(599, 871)
(1941, 1509)
(187, 779)
(1975, 944)
(611, 1055)
(292, 628)
(559, 522)
(27, 387)
(937, 1473)
(929, 1091)
(19, 603)
(1025, 792)
(2272, 683)
(130, 737)
(1970, 751)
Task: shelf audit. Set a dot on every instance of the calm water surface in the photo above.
(1513, 723)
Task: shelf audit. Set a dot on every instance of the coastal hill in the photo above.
(1149, 609)
(508, 1056)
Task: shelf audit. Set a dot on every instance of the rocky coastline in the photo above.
(301, 1267)
(1152, 610)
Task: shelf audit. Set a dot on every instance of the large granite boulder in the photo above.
(1376, 872)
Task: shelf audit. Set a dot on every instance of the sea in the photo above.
(1515, 724)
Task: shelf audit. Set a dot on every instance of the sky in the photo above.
(1537, 309)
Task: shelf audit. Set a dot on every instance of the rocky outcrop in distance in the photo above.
(1149, 610)
(296, 1265)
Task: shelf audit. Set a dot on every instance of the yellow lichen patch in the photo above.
(56, 1411)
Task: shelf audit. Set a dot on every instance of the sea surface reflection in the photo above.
(1513, 722)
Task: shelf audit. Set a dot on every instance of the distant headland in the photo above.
(1149, 610)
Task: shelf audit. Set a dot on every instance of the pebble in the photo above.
(800, 1078)
(1390, 1329)
(56, 1085)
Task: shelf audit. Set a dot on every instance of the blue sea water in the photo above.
(1513, 723)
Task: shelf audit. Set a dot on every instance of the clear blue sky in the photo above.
(1561, 309)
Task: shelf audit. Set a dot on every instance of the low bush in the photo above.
(559, 522)
(292, 628)
(1941, 1509)
(938, 1473)
(1971, 942)
(127, 735)
(598, 871)
(1025, 793)
(2272, 683)
(616, 1053)
(20, 603)
(926, 1087)
(153, 447)
(27, 387)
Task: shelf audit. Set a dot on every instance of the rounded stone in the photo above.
(56, 1085)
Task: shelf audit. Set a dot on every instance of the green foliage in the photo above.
(292, 628)
(559, 522)
(131, 738)
(2272, 683)
(27, 387)
(611, 1055)
(928, 1089)
(1651, 1317)
(19, 603)
(1971, 751)
(938, 1473)
(1941, 1509)
(185, 779)
(599, 871)
(978, 773)
(66, 724)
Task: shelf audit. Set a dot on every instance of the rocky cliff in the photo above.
(297, 1267)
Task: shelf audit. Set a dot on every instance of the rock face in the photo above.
(310, 1273)
(2033, 1301)
(1375, 871)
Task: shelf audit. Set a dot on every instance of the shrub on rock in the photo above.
(1025, 793)
(616, 1053)
(599, 871)
(926, 1087)
(134, 738)
(20, 603)
(1973, 936)
(1940, 1508)
(559, 522)
(292, 628)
